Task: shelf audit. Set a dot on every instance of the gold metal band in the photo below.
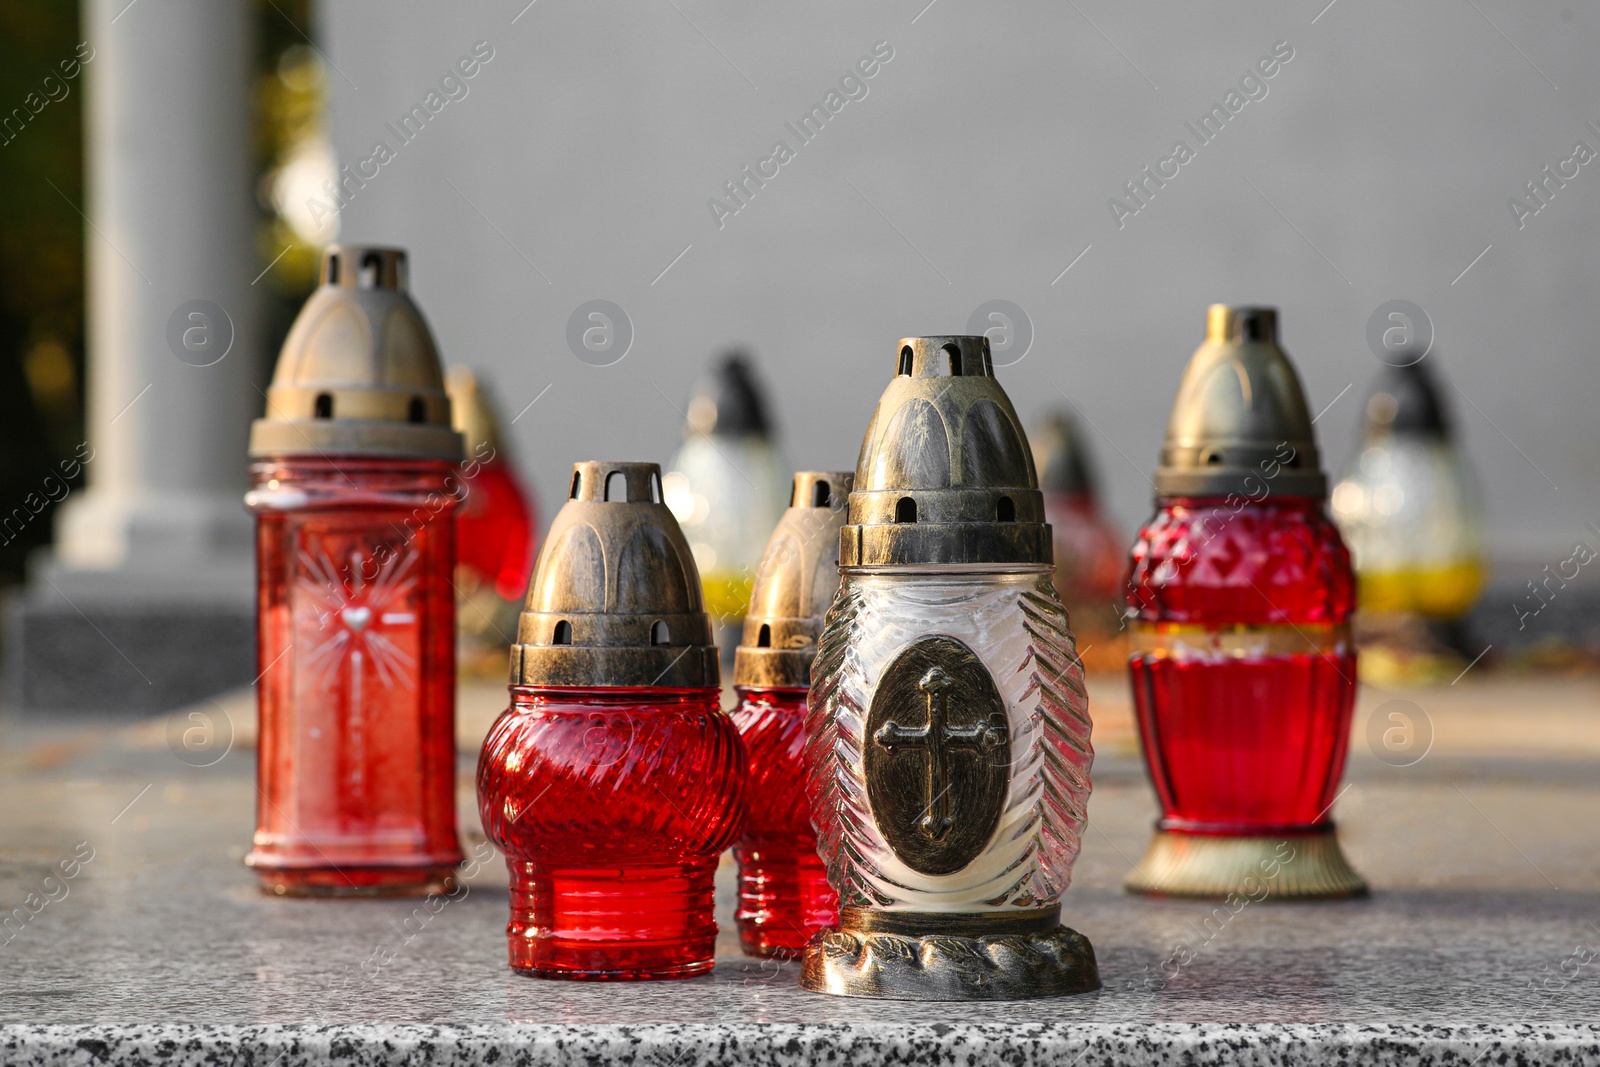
(1196, 641)
(957, 923)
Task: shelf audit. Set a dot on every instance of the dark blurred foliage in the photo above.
(42, 240)
(41, 263)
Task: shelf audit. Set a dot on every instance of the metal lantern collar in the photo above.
(1061, 457)
(795, 585)
(359, 374)
(945, 476)
(615, 598)
(1240, 419)
(1406, 403)
(728, 401)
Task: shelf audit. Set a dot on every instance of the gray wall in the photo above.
(977, 167)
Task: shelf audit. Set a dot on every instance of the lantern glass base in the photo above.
(1291, 866)
(940, 956)
(356, 881)
(612, 924)
(784, 898)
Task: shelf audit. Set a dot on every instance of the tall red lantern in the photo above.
(1243, 667)
(354, 488)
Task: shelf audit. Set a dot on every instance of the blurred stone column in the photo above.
(146, 601)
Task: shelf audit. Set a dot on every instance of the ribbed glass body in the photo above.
(1243, 669)
(1013, 620)
(611, 807)
(356, 643)
(784, 895)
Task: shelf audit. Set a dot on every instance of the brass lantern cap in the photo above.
(945, 475)
(359, 374)
(1240, 421)
(795, 584)
(473, 411)
(615, 598)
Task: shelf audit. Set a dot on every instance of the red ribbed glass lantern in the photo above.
(613, 781)
(354, 491)
(784, 895)
(1243, 667)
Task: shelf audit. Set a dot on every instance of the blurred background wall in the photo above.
(937, 158)
(979, 166)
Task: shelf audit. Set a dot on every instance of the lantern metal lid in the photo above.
(729, 401)
(359, 374)
(945, 475)
(473, 412)
(1061, 457)
(795, 584)
(1405, 402)
(615, 597)
(1240, 418)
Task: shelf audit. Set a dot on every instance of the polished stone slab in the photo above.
(1477, 945)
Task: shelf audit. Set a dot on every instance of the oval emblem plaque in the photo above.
(938, 755)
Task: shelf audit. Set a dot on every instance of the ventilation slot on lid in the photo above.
(955, 360)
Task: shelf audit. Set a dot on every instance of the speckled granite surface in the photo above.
(791, 1045)
(1479, 944)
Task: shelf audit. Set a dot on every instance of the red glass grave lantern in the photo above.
(1243, 666)
(354, 489)
(496, 529)
(614, 780)
(784, 895)
(1091, 556)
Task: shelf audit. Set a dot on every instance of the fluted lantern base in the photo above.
(941, 956)
(1300, 866)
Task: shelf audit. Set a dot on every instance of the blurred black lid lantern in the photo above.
(945, 475)
(1061, 457)
(728, 401)
(1240, 411)
(1405, 401)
